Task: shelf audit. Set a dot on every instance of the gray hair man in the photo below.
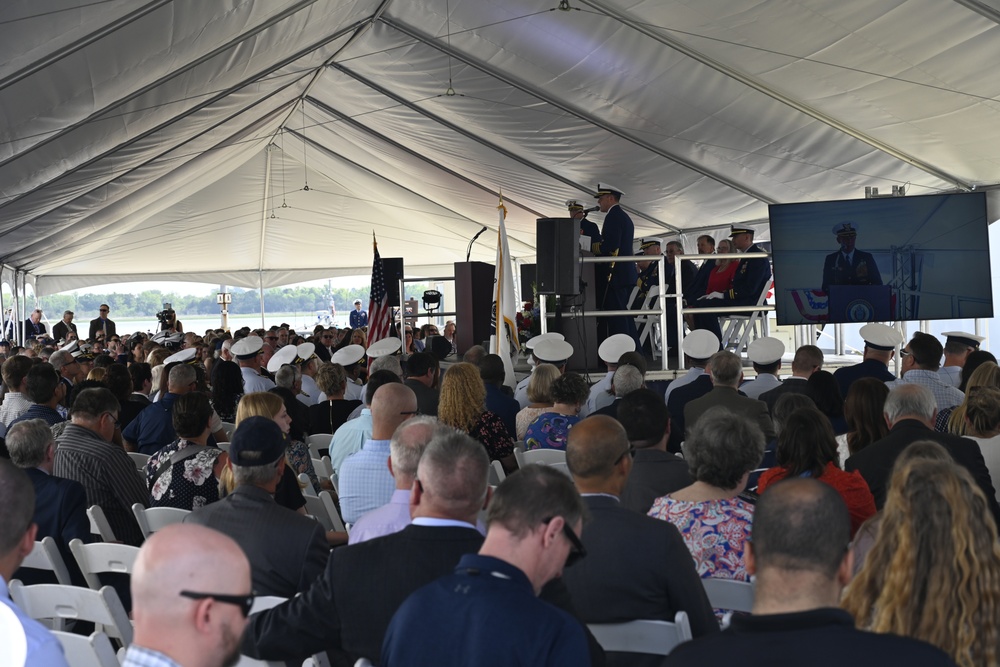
(726, 371)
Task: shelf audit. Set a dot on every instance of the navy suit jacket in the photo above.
(61, 513)
(751, 276)
(616, 239)
(679, 398)
(875, 461)
(870, 368)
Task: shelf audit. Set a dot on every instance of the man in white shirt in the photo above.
(247, 352)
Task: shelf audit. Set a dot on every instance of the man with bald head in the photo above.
(802, 561)
(636, 566)
(347, 610)
(405, 449)
(191, 594)
(364, 479)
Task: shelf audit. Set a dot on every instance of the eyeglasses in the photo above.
(244, 602)
(903, 354)
(577, 551)
(630, 452)
(114, 417)
(327, 337)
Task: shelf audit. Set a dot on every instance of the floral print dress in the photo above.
(189, 484)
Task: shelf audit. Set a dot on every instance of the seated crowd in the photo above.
(860, 508)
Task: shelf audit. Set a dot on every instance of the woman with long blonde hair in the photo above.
(987, 375)
(462, 405)
(934, 571)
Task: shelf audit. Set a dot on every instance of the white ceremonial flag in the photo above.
(503, 339)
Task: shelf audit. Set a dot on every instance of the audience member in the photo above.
(974, 361)
(353, 434)
(15, 378)
(249, 357)
(863, 410)
(982, 418)
(952, 420)
(46, 392)
(533, 522)
(807, 360)
(422, 371)
(726, 372)
(286, 550)
(227, 389)
(550, 429)
(881, 342)
(86, 453)
(698, 347)
(655, 471)
(17, 538)
(807, 448)
(329, 414)
(191, 588)
(547, 348)
(636, 567)
(826, 395)
(498, 397)
(539, 397)
(919, 364)
(801, 560)
(627, 379)
(345, 612)
(934, 571)
(364, 480)
(765, 353)
(610, 351)
(152, 429)
(958, 345)
(463, 406)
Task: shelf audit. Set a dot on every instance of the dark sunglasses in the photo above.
(578, 551)
(244, 602)
(630, 452)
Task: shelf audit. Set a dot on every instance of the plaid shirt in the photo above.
(137, 656)
(14, 405)
(945, 395)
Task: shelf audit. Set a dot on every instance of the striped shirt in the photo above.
(108, 476)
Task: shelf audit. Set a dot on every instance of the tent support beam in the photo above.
(582, 115)
(625, 19)
(482, 142)
(981, 8)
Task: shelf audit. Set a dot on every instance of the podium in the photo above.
(860, 303)
(473, 303)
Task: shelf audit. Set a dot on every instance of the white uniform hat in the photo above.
(700, 344)
(613, 347)
(532, 342)
(305, 352)
(553, 351)
(384, 347)
(766, 351)
(881, 336)
(247, 348)
(285, 355)
(607, 189)
(971, 340)
(183, 357)
(73, 347)
(347, 356)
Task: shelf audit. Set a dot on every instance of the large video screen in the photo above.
(885, 259)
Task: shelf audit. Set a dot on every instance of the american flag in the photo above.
(379, 312)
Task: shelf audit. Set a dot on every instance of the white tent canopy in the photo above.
(158, 139)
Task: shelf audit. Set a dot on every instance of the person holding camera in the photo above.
(168, 320)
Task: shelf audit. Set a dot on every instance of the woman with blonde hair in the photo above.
(953, 420)
(982, 424)
(359, 337)
(267, 404)
(462, 406)
(934, 571)
(539, 397)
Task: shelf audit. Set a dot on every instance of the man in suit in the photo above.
(909, 411)
(655, 471)
(62, 328)
(33, 326)
(615, 282)
(807, 360)
(726, 372)
(60, 504)
(698, 346)
(637, 567)
(102, 324)
(881, 342)
(287, 550)
(748, 283)
(347, 610)
(802, 560)
(422, 372)
(498, 399)
(849, 266)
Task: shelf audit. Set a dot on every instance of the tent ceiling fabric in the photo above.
(155, 139)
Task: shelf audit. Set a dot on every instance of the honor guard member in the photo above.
(578, 211)
(617, 280)
(351, 358)
(751, 277)
(849, 266)
(521, 391)
(765, 354)
(610, 351)
(881, 342)
(958, 345)
(247, 353)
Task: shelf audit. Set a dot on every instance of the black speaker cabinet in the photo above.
(393, 269)
(473, 303)
(557, 255)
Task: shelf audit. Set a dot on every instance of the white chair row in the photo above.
(318, 441)
(642, 636)
(542, 456)
(324, 509)
(56, 604)
(152, 519)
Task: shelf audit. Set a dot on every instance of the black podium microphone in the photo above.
(468, 253)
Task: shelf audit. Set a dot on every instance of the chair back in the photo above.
(94, 559)
(318, 441)
(93, 651)
(54, 602)
(139, 460)
(99, 524)
(336, 520)
(152, 519)
(497, 473)
(306, 484)
(729, 594)
(650, 637)
(544, 456)
(46, 556)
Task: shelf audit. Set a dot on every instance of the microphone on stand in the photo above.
(591, 210)
(468, 252)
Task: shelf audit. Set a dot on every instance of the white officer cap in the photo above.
(285, 355)
(384, 347)
(184, 356)
(349, 355)
(765, 351)
(971, 340)
(607, 189)
(535, 340)
(700, 344)
(247, 348)
(846, 228)
(881, 336)
(555, 352)
(613, 347)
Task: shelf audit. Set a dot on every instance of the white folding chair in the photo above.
(497, 474)
(306, 484)
(318, 441)
(99, 524)
(737, 327)
(93, 651)
(561, 467)
(544, 456)
(57, 603)
(729, 594)
(323, 467)
(139, 460)
(650, 637)
(331, 509)
(94, 559)
(46, 556)
(152, 519)
(228, 428)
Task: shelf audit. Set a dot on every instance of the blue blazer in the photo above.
(616, 239)
(61, 513)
